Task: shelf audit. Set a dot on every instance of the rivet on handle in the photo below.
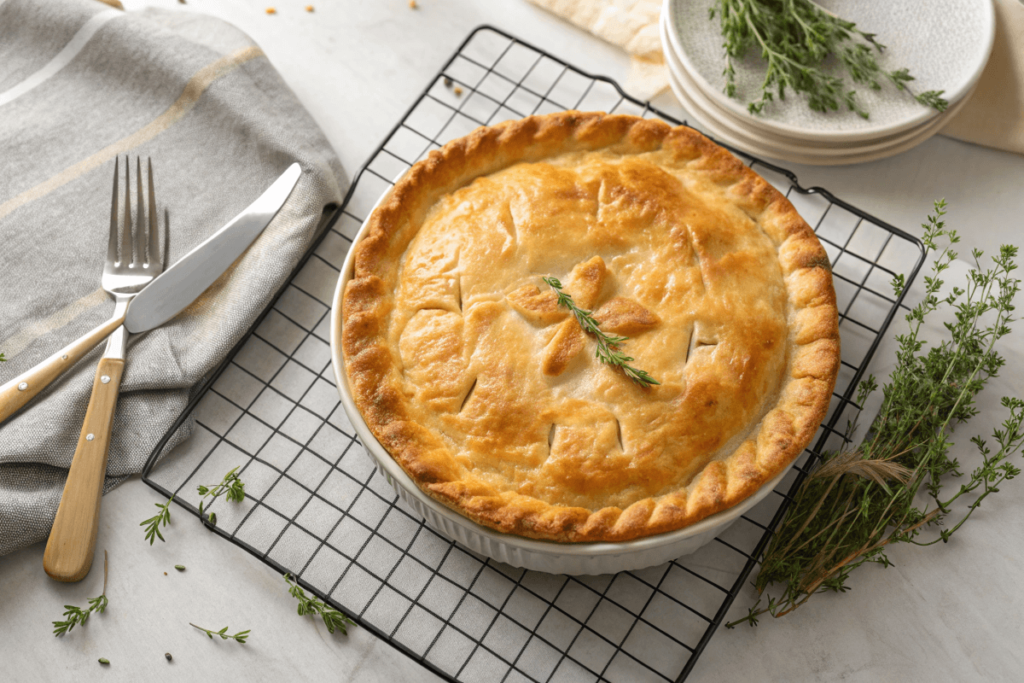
(64, 357)
(105, 379)
(89, 437)
(23, 386)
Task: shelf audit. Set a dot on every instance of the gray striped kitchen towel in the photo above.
(80, 84)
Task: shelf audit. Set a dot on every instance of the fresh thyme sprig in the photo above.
(862, 499)
(153, 523)
(231, 487)
(795, 37)
(333, 619)
(223, 633)
(74, 616)
(607, 344)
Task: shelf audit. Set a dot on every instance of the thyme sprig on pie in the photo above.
(607, 344)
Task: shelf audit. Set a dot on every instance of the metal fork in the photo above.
(128, 269)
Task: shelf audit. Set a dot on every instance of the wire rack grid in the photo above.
(317, 508)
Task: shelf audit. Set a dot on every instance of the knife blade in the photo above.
(165, 296)
(193, 273)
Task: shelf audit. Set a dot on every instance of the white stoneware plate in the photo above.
(725, 126)
(944, 43)
(710, 124)
(544, 556)
(742, 128)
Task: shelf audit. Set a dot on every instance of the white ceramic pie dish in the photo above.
(544, 556)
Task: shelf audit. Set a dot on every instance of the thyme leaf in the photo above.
(223, 633)
(607, 344)
(862, 499)
(794, 38)
(231, 487)
(153, 523)
(333, 619)
(74, 616)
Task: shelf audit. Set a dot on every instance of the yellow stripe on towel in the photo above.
(190, 95)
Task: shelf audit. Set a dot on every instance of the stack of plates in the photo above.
(944, 43)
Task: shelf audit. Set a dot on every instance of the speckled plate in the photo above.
(944, 43)
(728, 128)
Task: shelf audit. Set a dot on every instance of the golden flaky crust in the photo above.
(487, 393)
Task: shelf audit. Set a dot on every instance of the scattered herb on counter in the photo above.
(862, 499)
(104, 661)
(231, 487)
(180, 567)
(333, 619)
(795, 37)
(74, 616)
(607, 344)
(2, 359)
(153, 523)
(223, 633)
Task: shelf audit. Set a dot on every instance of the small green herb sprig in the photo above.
(607, 344)
(333, 619)
(231, 487)
(795, 37)
(153, 523)
(862, 499)
(74, 616)
(223, 633)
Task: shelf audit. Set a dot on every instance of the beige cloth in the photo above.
(994, 117)
(630, 24)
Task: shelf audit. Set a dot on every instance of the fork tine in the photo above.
(155, 255)
(112, 243)
(140, 236)
(126, 232)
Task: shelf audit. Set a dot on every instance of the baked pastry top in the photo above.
(489, 394)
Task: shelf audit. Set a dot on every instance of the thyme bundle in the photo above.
(863, 499)
(795, 38)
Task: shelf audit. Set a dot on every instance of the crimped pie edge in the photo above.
(785, 430)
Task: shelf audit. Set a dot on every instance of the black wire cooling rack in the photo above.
(316, 507)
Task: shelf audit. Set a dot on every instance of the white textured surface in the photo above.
(949, 613)
(945, 50)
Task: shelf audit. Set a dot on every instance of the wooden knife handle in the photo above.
(69, 550)
(24, 387)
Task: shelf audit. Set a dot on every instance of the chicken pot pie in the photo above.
(488, 392)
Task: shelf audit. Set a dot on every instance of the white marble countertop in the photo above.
(945, 613)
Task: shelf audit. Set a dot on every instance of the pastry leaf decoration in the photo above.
(608, 350)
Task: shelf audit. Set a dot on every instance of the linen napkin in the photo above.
(994, 117)
(80, 84)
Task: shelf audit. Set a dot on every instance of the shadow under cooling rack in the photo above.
(316, 507)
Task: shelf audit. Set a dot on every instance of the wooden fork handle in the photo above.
(69, 550)
(24, 387)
